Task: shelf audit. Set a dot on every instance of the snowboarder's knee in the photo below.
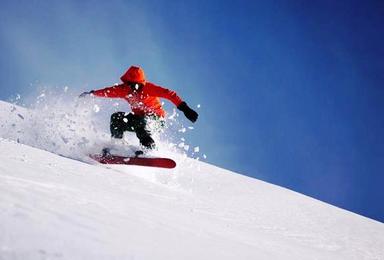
(117, 116)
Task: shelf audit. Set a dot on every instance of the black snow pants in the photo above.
(121, 122)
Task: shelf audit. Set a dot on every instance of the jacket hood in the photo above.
(134, 74)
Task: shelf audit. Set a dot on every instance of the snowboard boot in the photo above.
(106, 152)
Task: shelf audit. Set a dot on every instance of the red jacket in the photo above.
(145, 101)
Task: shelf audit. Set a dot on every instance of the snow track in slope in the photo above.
(58, 208)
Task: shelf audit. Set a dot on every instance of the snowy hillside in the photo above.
(54, 207)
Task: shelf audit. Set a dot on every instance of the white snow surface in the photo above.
(67, 207)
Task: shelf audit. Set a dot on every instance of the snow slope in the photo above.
(54, 207)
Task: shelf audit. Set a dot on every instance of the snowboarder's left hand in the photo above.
(188, 112)
(86, 93)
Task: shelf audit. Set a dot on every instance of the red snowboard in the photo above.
(142, 161)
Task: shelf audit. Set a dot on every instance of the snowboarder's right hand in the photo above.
(86, 93)
(188, 112)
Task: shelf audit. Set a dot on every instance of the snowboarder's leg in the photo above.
(119, 123)
(145, 138)
(139, 124)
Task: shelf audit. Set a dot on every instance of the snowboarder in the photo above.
(144, 99)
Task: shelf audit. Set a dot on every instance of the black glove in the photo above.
(188, 112)
(86, 93)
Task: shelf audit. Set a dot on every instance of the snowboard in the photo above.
(134, 160)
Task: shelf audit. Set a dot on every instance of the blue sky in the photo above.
(291, 92)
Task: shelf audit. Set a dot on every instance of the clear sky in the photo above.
(291, 92)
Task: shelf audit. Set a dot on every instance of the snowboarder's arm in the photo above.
(161, 92)
(175, 99)
(118, 91)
